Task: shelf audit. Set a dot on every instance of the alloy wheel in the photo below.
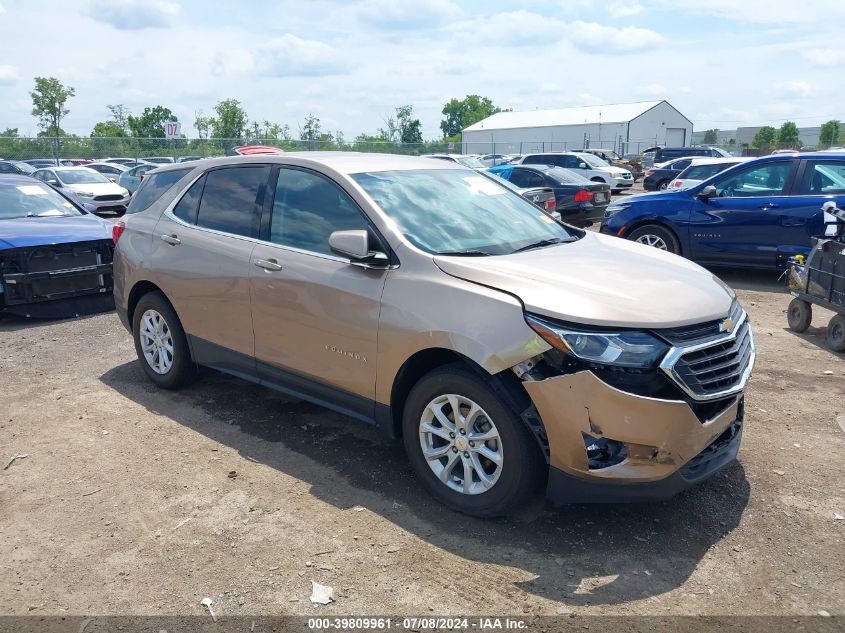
(156, 342)
(461, 444)
(652, 240)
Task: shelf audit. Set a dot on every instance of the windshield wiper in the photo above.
(466, 253)
(542, 243)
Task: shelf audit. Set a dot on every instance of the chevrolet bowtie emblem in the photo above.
(727, 325)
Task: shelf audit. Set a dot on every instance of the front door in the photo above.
(741, 224)
(315, 315)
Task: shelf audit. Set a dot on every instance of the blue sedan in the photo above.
(55, 256)
(755, 215)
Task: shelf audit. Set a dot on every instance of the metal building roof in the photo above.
(610, 113)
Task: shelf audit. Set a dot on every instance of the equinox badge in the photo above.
(727, 325)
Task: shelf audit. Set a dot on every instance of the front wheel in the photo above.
(469, 449)
(799, 315)
(160, 342)
(836, 333)
(657, 237)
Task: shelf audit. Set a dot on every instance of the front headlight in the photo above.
(620, 349)
(614, 208)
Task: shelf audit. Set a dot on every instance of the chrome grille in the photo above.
(108, 197)
(716, 368)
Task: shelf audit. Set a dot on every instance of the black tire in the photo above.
(640, 234)
(799, 315)
(182, 369)
(663, 185)
(523, 469)
(836, 333)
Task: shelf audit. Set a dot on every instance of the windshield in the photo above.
(460, 212)
(703, 172)
(470, 161)
(33, 200)
(592, 161)
(566, 176)
(24, 167)
(82, 176)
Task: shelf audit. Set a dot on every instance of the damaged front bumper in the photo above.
(661, 446)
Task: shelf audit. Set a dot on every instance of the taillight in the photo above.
(649, 172)
(117, 230)
(550, 204)
(677, 183)
(584, 196)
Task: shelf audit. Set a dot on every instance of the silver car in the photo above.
(89, 187)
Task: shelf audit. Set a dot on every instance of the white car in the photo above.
(88, 186)
(700, 169)
(586, 165)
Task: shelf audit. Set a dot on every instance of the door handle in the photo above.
(268, 264)
(171, 239)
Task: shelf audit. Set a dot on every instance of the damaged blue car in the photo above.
(55, 256)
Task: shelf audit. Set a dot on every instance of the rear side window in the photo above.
(153, 187)
(186, 209)
(526, 178)
(230, 197)
(823, 178)
(664, 155)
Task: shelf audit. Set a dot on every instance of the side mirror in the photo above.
(54, 182)
(112, 178)
(356, 246)
(708, 192)
(582, 165)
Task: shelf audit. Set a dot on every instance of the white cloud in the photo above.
(594, 37)
(764, 11)
(624, 9)
(8, 74)
(131, 15)
(407, 14)
(795, 88)
(511, 28)
(289, 56)
(825, 57)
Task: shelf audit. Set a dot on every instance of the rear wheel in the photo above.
(663, 185)
(836, 333)
(469, 449)
(799, 315)
(657, 237)
(160, 342)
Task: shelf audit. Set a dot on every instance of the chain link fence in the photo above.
(98, 148)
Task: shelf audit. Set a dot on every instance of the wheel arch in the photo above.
(140, 289)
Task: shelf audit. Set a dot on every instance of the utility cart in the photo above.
(820, 280)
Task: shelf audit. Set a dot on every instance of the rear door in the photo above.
(527, 178)
(315, 314)
(202, 248)
(741, 225)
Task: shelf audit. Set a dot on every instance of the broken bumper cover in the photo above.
(666, 447)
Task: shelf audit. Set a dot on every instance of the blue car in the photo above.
(754, 215)
(55, 256)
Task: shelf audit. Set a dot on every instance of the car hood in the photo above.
(601, 280)
(616, 171)
(25, 232)
(98, 188)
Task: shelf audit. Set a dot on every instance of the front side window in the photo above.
(764, 180)
(526, 178)
(308, 208)
(153, 187)
(823, 178)
(459, 212)
(592, 161)
(229, 199)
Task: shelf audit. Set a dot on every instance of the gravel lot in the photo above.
(138, 501)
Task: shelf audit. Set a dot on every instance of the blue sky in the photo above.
(723, 63)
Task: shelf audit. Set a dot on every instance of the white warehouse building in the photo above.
(625, 127)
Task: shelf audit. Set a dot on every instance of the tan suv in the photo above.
(508, 350)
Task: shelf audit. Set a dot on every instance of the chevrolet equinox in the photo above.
(508, 351)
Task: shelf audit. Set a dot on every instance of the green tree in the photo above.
(48, 104)
(231, 120)
(829, 133)
(461, 113)
(150, 123)
(410, 129)
(765, 139)
(120, 117)
(202, 124)
(788, 137)
(710, 137)
(107, 129)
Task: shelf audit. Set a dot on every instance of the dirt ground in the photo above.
(137, 501)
